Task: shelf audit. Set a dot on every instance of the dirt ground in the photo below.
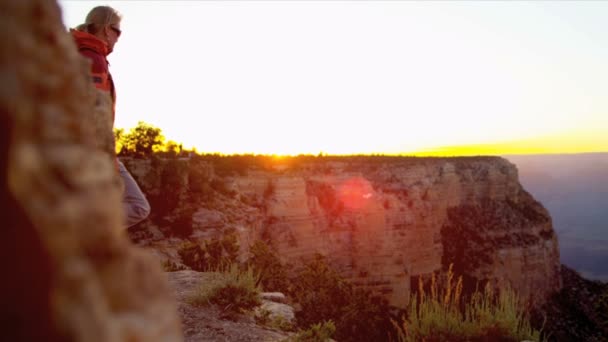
(207, 323)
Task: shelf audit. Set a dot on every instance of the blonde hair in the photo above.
(99, 17)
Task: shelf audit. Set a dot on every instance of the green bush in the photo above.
(324, 295)
(142, 140)
(365, 318)
(320, 291)
(233, 289)
(273, 275)
(320, 332)
(441, 314)
(212, 254)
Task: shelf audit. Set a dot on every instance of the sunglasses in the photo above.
(116, 30)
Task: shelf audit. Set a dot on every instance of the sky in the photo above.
(359, 77)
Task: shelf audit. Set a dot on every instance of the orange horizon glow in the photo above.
(558, 144)
(566, 143)
(372, 78)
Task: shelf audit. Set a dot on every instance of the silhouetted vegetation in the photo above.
(146, 139)
(142, 140)
(320, 332)
(577, 312)
(232, 288)
(323, 296)
(273, 275)
(212, 254)
(441, 313)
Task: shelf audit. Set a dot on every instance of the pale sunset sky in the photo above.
(349, 77)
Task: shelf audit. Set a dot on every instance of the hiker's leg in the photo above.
(136, 205)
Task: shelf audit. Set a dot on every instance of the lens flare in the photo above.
(355, 193)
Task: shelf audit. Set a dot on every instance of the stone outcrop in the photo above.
(204, 324)
(72, 275)
(386, 222)
(578, 312)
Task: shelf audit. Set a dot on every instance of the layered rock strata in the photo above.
(386, 222)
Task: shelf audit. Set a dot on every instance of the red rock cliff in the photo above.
(384, 222)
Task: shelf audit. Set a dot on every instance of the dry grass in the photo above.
(441, 314)
(232, 289)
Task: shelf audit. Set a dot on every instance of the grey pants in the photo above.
(135, 203)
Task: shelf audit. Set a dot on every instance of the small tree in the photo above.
(265, 261)
(172, 148)
(142, 140)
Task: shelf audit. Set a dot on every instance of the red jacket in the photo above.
(96, 50)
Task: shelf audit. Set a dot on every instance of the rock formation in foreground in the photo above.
(71, 273)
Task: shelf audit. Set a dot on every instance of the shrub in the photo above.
(233, 289)
(193, 256)
(263, 317)
(324, 295)
(441, 314)
(142, 140)
(212, 255)
(273, 275)
(170, 266)
(280, 323)
(320, 332)
(365, 318)
(320, 291)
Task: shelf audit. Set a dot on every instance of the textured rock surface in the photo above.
(577, 312)
(205, 323)
(95, 286)
(385, 222)
(384, 225)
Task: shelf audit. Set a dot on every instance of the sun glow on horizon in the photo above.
(393, 78)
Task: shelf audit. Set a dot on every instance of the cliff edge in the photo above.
(383, 222)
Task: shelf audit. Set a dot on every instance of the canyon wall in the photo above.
(386, 222)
